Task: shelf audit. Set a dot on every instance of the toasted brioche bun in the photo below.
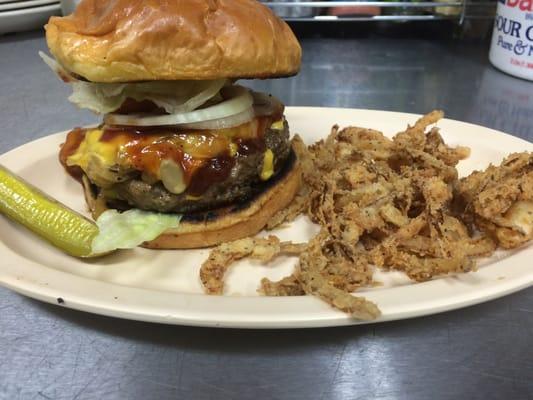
(232, 223)
(142, 40)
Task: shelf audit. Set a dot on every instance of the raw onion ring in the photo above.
(237, 100)
(223, 123)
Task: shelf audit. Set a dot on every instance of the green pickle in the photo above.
(48, 218)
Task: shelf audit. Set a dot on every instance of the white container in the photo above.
(512, 39)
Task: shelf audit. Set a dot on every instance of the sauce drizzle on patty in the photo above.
(206, 156)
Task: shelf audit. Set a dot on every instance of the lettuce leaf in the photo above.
(173, 96)
(129, 229)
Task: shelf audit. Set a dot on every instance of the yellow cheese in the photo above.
(104, 157)
(233, 148)
(278, 125)
(268, 165)
(91, 146)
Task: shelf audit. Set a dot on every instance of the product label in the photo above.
(512, 38)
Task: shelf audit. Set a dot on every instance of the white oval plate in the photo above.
(163, 286)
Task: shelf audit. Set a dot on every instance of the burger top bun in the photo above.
(143, 40)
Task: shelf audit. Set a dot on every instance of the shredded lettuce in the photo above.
(96, 97)
(129, 229)
(173, 96)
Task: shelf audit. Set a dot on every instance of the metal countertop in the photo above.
(480, 352)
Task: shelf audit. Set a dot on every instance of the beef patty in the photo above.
(241, 184)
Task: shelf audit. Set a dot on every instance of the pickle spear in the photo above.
(48, 218)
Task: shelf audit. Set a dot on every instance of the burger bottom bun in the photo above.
(235, 221)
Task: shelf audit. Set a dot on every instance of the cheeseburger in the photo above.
(178, 134)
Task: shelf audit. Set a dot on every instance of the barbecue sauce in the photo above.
(73, 141)
(214, 170)
(204, 155)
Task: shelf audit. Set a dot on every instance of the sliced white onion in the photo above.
(223, 123)
(238, 100)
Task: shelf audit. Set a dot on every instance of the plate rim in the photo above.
(120, 301)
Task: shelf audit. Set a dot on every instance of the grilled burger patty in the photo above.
(241, 183)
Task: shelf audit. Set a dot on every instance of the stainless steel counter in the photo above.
(481, 352)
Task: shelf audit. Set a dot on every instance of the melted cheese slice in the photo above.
(92, 146)
(102, 151)
(268, 165)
